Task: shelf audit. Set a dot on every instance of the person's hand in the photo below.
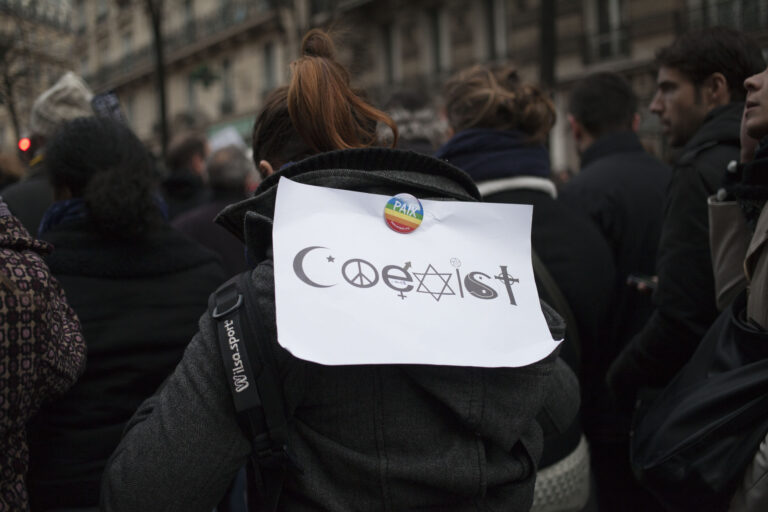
(643, 284)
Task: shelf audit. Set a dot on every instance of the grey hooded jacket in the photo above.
(389, 437)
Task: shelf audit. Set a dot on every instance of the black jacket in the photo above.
(138, 303)
(621, 187)
(368, 437)
(685, 297)
(580, 261)
(30, 198)
(184, 190)
(198, 224)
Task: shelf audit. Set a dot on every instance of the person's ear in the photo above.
(577, 129)
(265, 168)
(198, 164)
(448, 130)
(716, 92)
(635, 122)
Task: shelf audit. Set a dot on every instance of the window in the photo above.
(103, 51)
(438, 41)
(606, 35)
(227, 89)
(80, 22)
(389, 67)
(390, 44)
(270, 80)
(128, 103)
(320, 6)
(748, 15)
(495, 29)
(189, 18)
(127, 49)
(191, 93)
(127, 44)
(102, 10)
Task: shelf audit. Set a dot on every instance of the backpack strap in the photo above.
(253, 381)
(559, 302)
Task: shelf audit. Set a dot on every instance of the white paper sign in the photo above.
(458, 290)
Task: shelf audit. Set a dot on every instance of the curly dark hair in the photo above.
(717, 49)
(103, 162)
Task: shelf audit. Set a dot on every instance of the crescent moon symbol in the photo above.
(298, 267)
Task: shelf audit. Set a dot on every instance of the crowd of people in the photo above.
(113, 395)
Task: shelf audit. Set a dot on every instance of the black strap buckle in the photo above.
(218, 314)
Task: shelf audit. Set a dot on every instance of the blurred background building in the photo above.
(35, 50)
(222, 56)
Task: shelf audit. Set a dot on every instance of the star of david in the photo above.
(437, 280)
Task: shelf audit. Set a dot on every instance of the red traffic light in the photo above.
(25, 143)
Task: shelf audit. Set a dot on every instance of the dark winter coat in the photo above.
(30, 198)
(138, 302)
(183, 191)
(580, 262)
(375, 437)
(621, 188)
(42, 351)
(198, 225)
(685, 297)
(509, 170)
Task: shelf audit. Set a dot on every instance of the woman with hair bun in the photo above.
(138, 288)
(367, 437)
(501, 125)
(316, 113)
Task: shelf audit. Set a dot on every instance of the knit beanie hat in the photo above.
(69, 98)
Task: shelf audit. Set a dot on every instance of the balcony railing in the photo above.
(746, 15)
(53, 13)
(231, 14)
(611, 44)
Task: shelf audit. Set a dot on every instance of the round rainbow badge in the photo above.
(403, 213)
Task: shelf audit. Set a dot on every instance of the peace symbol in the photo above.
(364, 278)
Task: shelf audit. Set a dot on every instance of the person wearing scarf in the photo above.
(500, 126)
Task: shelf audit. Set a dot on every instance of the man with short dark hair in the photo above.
(229, 171)
(185, 188)
(699, 100)
(621, 187)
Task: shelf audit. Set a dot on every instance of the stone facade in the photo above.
(223, 56)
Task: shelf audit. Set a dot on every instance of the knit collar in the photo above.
(609, 144)
(373, 170)
(61, 212)
(365, 170)
(487, 154)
